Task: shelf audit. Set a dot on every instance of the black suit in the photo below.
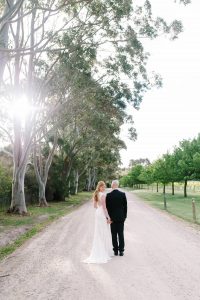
(116, 204)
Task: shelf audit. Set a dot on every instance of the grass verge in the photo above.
(176, 205)
(39, 218)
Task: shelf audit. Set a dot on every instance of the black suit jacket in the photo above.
(116, 204)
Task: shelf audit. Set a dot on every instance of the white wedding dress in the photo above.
(102, 245)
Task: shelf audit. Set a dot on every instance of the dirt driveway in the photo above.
(161, 262)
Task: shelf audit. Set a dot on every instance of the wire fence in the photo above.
(185, 207)
(192, 187)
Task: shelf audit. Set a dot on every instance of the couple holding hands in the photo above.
(110, 215)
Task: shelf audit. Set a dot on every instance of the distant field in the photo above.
(176, 205)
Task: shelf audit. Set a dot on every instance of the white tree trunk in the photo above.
(76, 182)
(42, 171)
(89, 180)
(4, 40)
(18, 204)
(42, 197)
(21, 147)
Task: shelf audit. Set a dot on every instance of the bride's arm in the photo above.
(94, 203)
(103, 201)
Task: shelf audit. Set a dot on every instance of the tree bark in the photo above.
(157, 187)
(21, 150)
(4, 40)
(165, 202)
(18, 204)
(163, 188)
(42, 171)
(76, 182)
(69, 188)
(42, 197)
(89, 180)
(185, 188)
(172, 188)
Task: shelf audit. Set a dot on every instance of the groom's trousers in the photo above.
(117, 230)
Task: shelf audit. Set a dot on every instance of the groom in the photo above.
(116, 204)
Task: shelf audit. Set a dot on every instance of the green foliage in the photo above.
(5, 183)
(31, 186)
(133, 177)
(176, 205)
(66, 70)
(181, 165)
(148, 174)
(161, 171)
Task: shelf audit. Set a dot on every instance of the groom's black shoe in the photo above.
(121, 254)
(116, 253)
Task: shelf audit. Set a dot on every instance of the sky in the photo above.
(171, 113)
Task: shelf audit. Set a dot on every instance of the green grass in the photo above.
(55, 209)
(4, 251)
(51, 213)
(176, 205)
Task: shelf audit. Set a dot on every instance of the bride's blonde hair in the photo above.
(95, 195)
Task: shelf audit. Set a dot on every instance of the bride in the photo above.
(101, 251)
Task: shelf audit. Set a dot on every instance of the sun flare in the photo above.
(21, 109)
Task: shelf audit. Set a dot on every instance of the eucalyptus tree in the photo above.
(140, 161)
(40, 33)
(107, 159)
(42, 157)
(8, 10)
(91, 133)
(28, 77)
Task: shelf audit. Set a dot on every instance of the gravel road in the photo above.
(161, 262)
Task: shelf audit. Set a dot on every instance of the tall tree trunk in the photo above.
(18, 204)
(4, 39)
(20, 159)
(42, 197)
(42, 171)
(163, 188)
(185, 188)
(69, 188)
(76, 182)
(89, 180)
(165, 202)
(21, 150)
(157, 187)
(40, 180)
(172, 188)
